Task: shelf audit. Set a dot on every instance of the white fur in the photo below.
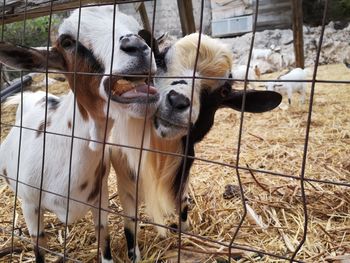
(289, 88)
(239, 72)
(96, 34)
(261, 53)
(57, 155)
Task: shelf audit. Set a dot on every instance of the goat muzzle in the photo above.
(130, 89)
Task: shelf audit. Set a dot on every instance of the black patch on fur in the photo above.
(160, 59)
(129, 238)
(178, 186)
(100, 172)
(107, 254)
(150, 40)
(132, 174)
(130, 243)
(39, 253)
(53, 103)
(91, 60)
(174, 227)
(184, 213)
(87, 54)
(42, 126)
(83, 186)
(209, 104)
(39, 257)
(178, 82)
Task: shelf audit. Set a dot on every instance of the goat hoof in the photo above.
(184, 227)
(134, 255)
(173, 228)
(104, 260)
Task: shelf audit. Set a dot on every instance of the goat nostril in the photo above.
(177, 100)
(128, 48)
(132, 44)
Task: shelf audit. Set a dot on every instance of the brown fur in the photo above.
(257, 71)
(99, 174)
(4, 172)
(119, 160)
(159, 170)
(157, 174)
(85, 86)
(212, 62)
(69, 124)
(42, 126)
(83, 186)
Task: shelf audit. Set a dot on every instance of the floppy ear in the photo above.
(26, 58)
(147, 36)
(256, 100)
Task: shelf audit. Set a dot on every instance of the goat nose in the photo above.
(132, 44)
(177, 100)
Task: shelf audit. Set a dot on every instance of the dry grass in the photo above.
(272, 141)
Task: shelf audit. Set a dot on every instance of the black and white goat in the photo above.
(90, 57)
(160, 184)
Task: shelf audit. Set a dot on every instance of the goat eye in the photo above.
(67, 42)
(224, 92)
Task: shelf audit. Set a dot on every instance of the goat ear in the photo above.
(147, 36)
(256, 100)
(25, 58)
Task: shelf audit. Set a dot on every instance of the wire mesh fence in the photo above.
(220, 234)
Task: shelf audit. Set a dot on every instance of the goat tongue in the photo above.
(140, 90)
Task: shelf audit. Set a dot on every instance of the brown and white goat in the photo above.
(160, 183)
(74, 167)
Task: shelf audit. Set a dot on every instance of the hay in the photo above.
(271, 141)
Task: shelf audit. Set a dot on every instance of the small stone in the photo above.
(231, 191)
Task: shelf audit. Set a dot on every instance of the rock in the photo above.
(231, 191)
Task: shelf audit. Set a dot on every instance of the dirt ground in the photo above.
(273, 142)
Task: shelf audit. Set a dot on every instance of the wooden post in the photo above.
(186, 16)
(141, 8)
(297, 17)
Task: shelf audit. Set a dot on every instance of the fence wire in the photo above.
(232, 244)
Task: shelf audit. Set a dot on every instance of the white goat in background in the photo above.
(288, 88)
(91, 53)
(261, 53)
(239, 72)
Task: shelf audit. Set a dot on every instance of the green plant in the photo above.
(338, 10)
(32, 32)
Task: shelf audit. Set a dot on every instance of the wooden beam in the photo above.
(141, 8)
(186, 16)
(297, 18)
(14, 9)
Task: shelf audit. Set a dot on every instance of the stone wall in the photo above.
(167, 15)
(335, 47)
